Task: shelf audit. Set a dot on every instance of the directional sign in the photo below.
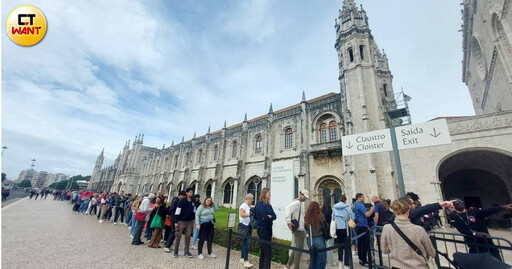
(369, 142)
(425, 134)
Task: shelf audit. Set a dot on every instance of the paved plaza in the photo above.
(47, 234)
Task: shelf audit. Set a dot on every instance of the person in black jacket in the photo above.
(172, 212)
(471, 223)
(185, 216)
(416, 213)
(265, 216)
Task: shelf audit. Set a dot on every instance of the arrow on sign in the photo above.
(435, 134)
(349, 146)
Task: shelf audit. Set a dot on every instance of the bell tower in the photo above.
(365, 85)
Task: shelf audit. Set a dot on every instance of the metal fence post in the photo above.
(370, 260)
(312, 255)
(230, 233)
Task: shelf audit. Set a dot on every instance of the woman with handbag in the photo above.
(156, 223)
(205, 221)
(141, 216)
(134, 207)
(244, 227)
(316, 227)
(408, 245)
(342, 215)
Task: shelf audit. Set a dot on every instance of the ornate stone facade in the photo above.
(487, 63)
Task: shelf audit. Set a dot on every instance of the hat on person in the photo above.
(305, 193)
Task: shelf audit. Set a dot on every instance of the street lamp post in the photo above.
(394, 114)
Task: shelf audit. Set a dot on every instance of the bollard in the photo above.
(370, 260)
(230, 233)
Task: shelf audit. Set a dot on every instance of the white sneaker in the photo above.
(354, 253)
(242, 261)
(129, 227)
(194, 247)
(101, 221)
(201, 257)
(212, 256)
(168, 250)
(247, 264)
(131, 236)
(115, 223)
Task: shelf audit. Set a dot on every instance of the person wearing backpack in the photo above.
(172, 212)
(294, 213)
(245, 228)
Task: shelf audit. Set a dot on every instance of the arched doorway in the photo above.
(253, 186)
(328, 188)
(482, 178)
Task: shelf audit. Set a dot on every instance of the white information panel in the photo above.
(430, 133)
(281, 188)
(369, 142)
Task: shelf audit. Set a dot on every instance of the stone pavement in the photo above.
(47, 234)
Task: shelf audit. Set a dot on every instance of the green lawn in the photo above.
(221, 217)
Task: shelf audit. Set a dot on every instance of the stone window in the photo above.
(228, 193)
(187, 158)
(385, 89)
(209, 190)
(255, 189)
(323, 133)
(175, 161)
(332, 130)
(351, 55)
(258, 145)
(200, 156)
(295, 187)
(361, 51)
(234, 152)
(288, 138)
(215, 152)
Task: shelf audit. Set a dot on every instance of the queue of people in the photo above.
(404, 236)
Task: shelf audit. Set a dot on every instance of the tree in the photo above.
(61, 185)
(4, 177)
(25, 184)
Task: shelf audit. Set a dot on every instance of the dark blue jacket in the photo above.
(262, 210)
(186, 210)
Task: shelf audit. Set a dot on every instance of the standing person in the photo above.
(361, 218)
(401, 254)
(205, 221)
(327, 211)
(172, 212)
(94, 204)
(111, 202)
(296, 211)
(471, 223)
(119, 207)
(167, 219)
(157, 217)
(185, 216)
(265, 216)
(381, 214)
(104, 207)
(244, 225)
(145, 207)
(197, 203)
(127, 210)
(417, 211)
(315, 223)
(134, 207)
(342, 215)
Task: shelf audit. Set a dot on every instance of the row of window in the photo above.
(350, 52)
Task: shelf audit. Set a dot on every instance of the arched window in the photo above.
(187, 158)
(361, 51)
(234, 152)
(255, 189)
(175, 161)
(385, 89)
(209, 190)
(323, 133)
(193, 187)
(351, 55)
(200, 156)
(215, 152)
(228, 191)
(288, 138)
(258, 145)
(332, 131)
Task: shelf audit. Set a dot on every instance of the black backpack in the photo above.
(254, 220)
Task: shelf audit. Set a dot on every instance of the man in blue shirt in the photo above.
(361, 215)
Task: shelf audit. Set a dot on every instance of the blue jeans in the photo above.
(134, 223)
(129, 218)
(321, 258)
(246, 244)
(119, 211)
(149, 232)
(196, 234)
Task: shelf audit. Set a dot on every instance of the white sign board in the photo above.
(425, 134)
(370, 142)
(231, 220)
(281, 189)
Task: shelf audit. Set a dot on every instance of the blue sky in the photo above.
(109, 70)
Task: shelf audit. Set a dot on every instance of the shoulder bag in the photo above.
(296, 222)
(140, 216)
(430, 260)
(351, 223)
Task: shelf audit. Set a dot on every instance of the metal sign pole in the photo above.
(398, 164)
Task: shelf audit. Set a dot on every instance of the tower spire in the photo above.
(245, 117)
(303, 96)
(271, 111)
(224, 124)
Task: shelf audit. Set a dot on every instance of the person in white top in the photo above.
(295, 211)
(244, 227)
